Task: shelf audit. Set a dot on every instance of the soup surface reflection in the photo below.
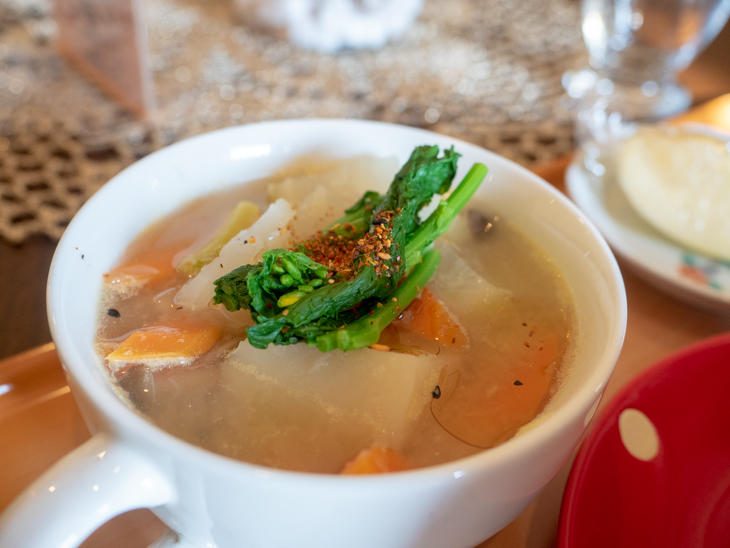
(473, 359)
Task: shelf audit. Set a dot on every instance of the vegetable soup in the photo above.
(337, 319)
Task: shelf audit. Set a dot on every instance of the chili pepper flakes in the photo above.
(344, 257)
(380, 347)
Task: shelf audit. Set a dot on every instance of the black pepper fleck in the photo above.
(436, 393)
(113, 312)
(517, 383)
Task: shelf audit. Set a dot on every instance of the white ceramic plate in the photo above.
(685, 274)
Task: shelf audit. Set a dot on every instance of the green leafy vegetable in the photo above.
(277, 282)
(438, 222)
(356, 219)
(422, 176)
(346, 301)
(366, 330)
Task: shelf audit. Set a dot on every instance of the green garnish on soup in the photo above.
(342, 287)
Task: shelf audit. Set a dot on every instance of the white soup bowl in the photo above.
(210, 500)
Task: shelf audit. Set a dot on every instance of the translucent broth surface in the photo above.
(259, 415)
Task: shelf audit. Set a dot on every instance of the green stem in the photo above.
(438, 222)
(358, 216)
(366, 330)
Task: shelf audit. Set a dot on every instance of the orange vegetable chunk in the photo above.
(150, 267)
(484, 410)
(427, 316)
(162, 346)
(376, 460)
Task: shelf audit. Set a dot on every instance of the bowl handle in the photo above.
(83, 490)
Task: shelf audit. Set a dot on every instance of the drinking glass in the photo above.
(636, 48)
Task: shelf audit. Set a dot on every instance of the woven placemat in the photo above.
(488, 73)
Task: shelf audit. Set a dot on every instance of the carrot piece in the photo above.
(149, 267)
(376, 460)
(484, 410)
(428, 316)
(161, 346)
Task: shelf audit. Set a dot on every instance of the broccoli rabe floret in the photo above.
(341, 289)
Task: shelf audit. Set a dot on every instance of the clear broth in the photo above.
(470, 398)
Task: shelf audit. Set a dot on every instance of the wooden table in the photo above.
(657, 325)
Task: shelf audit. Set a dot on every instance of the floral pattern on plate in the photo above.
(707, 272)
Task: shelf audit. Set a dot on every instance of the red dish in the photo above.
(677, 491)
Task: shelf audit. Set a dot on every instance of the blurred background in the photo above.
(488, 72)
